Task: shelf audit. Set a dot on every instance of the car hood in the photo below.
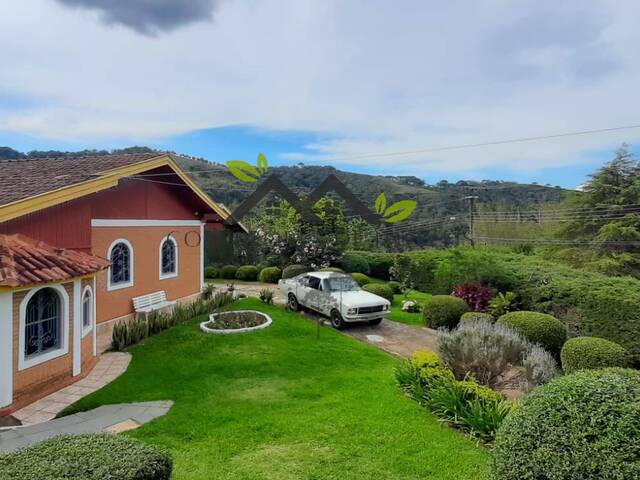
(359, 298)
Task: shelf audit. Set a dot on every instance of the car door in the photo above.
(314, 293)
(302, 290)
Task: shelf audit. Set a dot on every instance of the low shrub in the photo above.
(502, 303)
(537, 327)
(379, 263)
(379, 289)
(538, 367)
(211, 272)
(477, 297)
(247, 273)
(354, 262)
(396, 287)
(208, 291)
(87, 457)
(294, 270)
(266, 296)
(420, 374)
(361, 278)
(270, 275)
(476, 316)
(331, 269)
(590, 352)
(228, 272)
(443, 311)
(579, 426)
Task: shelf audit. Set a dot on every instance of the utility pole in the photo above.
(472, 199)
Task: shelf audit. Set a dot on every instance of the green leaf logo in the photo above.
(243, 170)
(263, 164)
(381, 203)
(400, 210)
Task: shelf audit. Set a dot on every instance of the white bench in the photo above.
(151, 302)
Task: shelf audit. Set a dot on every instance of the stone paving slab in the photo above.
(107, 418)
(109, 367)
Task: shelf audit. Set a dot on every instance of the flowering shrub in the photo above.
(477, 297)
(299, 247)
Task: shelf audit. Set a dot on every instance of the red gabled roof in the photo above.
(25, 261)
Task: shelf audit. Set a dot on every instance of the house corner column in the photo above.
(202, 256)
(6, 349)
(77, 327)
(95, 319)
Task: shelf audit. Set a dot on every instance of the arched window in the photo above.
(168, 258)
(121, 270)
(43, 322)
(87, 309)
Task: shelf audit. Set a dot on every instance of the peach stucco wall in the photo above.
(146, 272)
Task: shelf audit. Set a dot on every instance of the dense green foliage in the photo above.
(291, 271)
(228, 272)
(87, 457)
(587, 303)
(270, 275)
(379, 262)
(379, 289)
(331, 269)
(590, 352)
(211, 272)
(476, 316)
(540, 328)
(395, 286)
(247, 273)
(269, 405)
(580, 426)
(443, 311)
(355, 262)
(361, 278)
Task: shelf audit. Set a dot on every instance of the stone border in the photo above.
(212, 317)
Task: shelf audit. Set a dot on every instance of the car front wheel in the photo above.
(292, 303)
(336, 320)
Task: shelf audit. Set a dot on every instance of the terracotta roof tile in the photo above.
(20, 179)
(25, 261)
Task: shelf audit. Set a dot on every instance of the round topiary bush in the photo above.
(395, 286)
(540, 328)
(379, 289)
(361, 278)
(476, 316)
(211, 272)
(443, 311)
(352, 262)
(590, 352)
(270, 275)
(294, 270)
(580, 426)
(87, 457)
(228, 272)
(247, 272)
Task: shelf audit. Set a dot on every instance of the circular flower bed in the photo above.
(238, 321)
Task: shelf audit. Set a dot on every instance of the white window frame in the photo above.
(118, 286)
(92, 315)
(165, 276)
(23, 362)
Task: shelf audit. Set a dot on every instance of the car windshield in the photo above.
(342, 284)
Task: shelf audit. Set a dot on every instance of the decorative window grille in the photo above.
(43, 322)
(120, 264)
(168, 252)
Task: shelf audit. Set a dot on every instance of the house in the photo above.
(79, 239)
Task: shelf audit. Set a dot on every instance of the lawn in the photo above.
(397, 315)
(281, 404)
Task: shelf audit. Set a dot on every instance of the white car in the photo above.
(335, 295)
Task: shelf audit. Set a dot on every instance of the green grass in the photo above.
(280, 404)
(397, 315)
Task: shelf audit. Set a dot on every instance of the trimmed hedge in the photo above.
(331, 269)
(228, 272)
(540, 328)
(211, 272)
(270, 275)
(361, 278)
(354, 262)
(87, 457)
(294, 270)
(247, 272)
(443, 311)
(476, 316)
(379, 289)
(590, 352)
(379, 263)
(395, 286)
(580, 426)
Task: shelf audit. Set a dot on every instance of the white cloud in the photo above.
(384, 76)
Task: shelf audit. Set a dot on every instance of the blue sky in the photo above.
(324, 81)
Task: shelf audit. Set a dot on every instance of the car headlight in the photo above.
(386, 307)
(352, 311)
